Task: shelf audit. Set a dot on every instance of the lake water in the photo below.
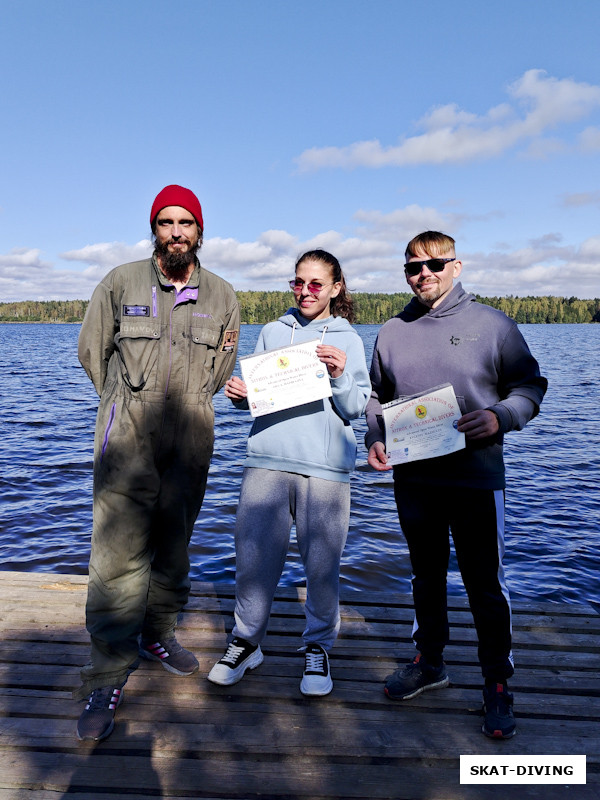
(47, 416)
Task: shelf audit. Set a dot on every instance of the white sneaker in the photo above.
(239, 656)
(316, 679)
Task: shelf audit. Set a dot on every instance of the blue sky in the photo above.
(346, 124)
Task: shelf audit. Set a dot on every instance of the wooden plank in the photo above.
(186, 738)
(149, 701)
(533, 698)
(61, 675)
(171, 727)
(42, 794)
(581, 674)
(71, 582)
(17, 616)
(246, 777)
(398, 650)
(346, 655)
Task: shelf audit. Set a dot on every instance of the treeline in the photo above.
(370, 308)
(43, 311)
(546, 309)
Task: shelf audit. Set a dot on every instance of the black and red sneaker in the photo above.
(499, 721)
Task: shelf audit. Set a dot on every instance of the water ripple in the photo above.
(553, 529)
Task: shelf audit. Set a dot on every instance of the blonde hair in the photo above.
(433, 243)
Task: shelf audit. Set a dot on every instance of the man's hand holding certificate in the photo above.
(284, 378)
(422, 426)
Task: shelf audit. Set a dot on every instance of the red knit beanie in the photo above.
(174, 195)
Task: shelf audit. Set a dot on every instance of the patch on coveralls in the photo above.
(136, 311)
(229, 341)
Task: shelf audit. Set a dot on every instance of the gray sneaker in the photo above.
(97, 720)
(415, 678)
(171, 655)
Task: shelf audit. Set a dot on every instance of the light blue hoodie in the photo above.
(314, 439)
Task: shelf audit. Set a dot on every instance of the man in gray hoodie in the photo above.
(445, 336)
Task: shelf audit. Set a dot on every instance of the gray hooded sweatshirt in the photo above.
(481, 352)
(316, 438)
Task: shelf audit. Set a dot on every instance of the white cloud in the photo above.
(544, 268)
(107, 255)
(543, 149)
(20, 258)
(451, 135)
(546, 239)
(402, 223)
(247, 265)
(578, 199)
(589, 140)
(590, 251)
(25, 275)
(372, 258)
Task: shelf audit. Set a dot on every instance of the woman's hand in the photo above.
(333, 358)
(235, 388)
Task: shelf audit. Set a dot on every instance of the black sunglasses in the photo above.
(433, 265)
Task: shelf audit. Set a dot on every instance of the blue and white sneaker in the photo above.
(316, 680)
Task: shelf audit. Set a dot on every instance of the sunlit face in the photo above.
(431, 287)
(316, 306)
(176, 229)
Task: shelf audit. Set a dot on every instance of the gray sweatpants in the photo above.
(270, 501)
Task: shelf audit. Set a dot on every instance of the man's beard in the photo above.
(175, 266)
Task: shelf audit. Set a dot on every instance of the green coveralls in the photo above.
(156, 357)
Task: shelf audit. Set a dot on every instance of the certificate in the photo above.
(284, 378)
(422, 426)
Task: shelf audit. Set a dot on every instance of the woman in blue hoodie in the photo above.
(297, 469)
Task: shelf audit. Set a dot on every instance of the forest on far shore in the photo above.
(370, 308)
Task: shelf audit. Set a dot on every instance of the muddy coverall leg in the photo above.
(148, 489)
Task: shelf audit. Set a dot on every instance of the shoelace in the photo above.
(407, 671)
(232, 654)
(315, 662)
(500, 702)
(103, 698)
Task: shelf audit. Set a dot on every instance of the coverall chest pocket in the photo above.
(138, 345)
(204, 346)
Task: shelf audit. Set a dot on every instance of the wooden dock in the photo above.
(186, 738)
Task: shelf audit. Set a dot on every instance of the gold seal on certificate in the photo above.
(422, 426)
(284, 378)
